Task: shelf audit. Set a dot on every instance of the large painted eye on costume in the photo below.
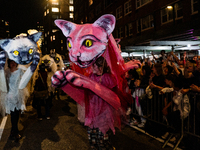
(88, 43)
(16, 53)
(42, 61)
(30, 51)
(49, 61)
(57, 59)
(69, 44)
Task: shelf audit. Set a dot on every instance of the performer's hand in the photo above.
(58, 79)
(132, 64)
(75, 78)
(2, 59)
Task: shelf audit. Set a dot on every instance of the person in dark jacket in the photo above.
(41, 85)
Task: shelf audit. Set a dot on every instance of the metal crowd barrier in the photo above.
(152, 111)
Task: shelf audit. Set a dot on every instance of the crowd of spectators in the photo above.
(166, 74)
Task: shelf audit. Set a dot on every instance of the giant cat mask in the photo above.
(22, 50)
(87, 42)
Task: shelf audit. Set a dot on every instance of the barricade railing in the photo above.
(152, 111)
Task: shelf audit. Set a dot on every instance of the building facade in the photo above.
(53, 37)
(4, 29)
(141, 21)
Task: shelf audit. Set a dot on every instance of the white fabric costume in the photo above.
(14, 98)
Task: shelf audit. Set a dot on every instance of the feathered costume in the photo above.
(58, 59)
(50, 65)
(86, 43)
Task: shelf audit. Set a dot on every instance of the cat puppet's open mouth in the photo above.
(85, 64)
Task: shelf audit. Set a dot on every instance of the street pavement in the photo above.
(64, 132)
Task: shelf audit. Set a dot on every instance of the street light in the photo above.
(169, 7)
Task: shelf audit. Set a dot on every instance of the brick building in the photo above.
(141, 21)
(4, 29)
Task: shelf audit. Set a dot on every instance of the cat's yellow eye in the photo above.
(69, 45)
(42, 61)
(88, 43)
(49, 61)
(16, 53)
(30, 51)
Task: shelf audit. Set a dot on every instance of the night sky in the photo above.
(21, 14)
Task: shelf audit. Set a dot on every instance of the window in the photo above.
(127, 8)
(178, 9)
(119, 12)
(47, 11)
(71, 8)
(55, 16)
(145, 23)
(55, 2)
(54, 37)
(54, 30)
(45, 34)
(194, 4)
(71, 15)
(6, 23)
(71, 1)
(91, 15)
(120, 33)
(90, 2)
(55, 9)
(98, 9)
(140, 3)
(51, 38)
(167, 14)
(128, 30)
(61, 41)
(61, 48)
(108, 2)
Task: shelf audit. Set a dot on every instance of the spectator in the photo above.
(167, 70)
(161, 58)
(146, 71)
(131, 76)
(180, 103)
(195, 86)
(138, 95)
(158, 81)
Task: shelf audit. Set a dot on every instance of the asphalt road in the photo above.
(64, 132)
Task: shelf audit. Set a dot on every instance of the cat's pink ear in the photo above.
(107, 22)
(66, 26)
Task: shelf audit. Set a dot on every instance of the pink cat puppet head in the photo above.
(89, 41)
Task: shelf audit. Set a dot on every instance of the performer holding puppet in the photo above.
(20, 50)
(89, 44)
